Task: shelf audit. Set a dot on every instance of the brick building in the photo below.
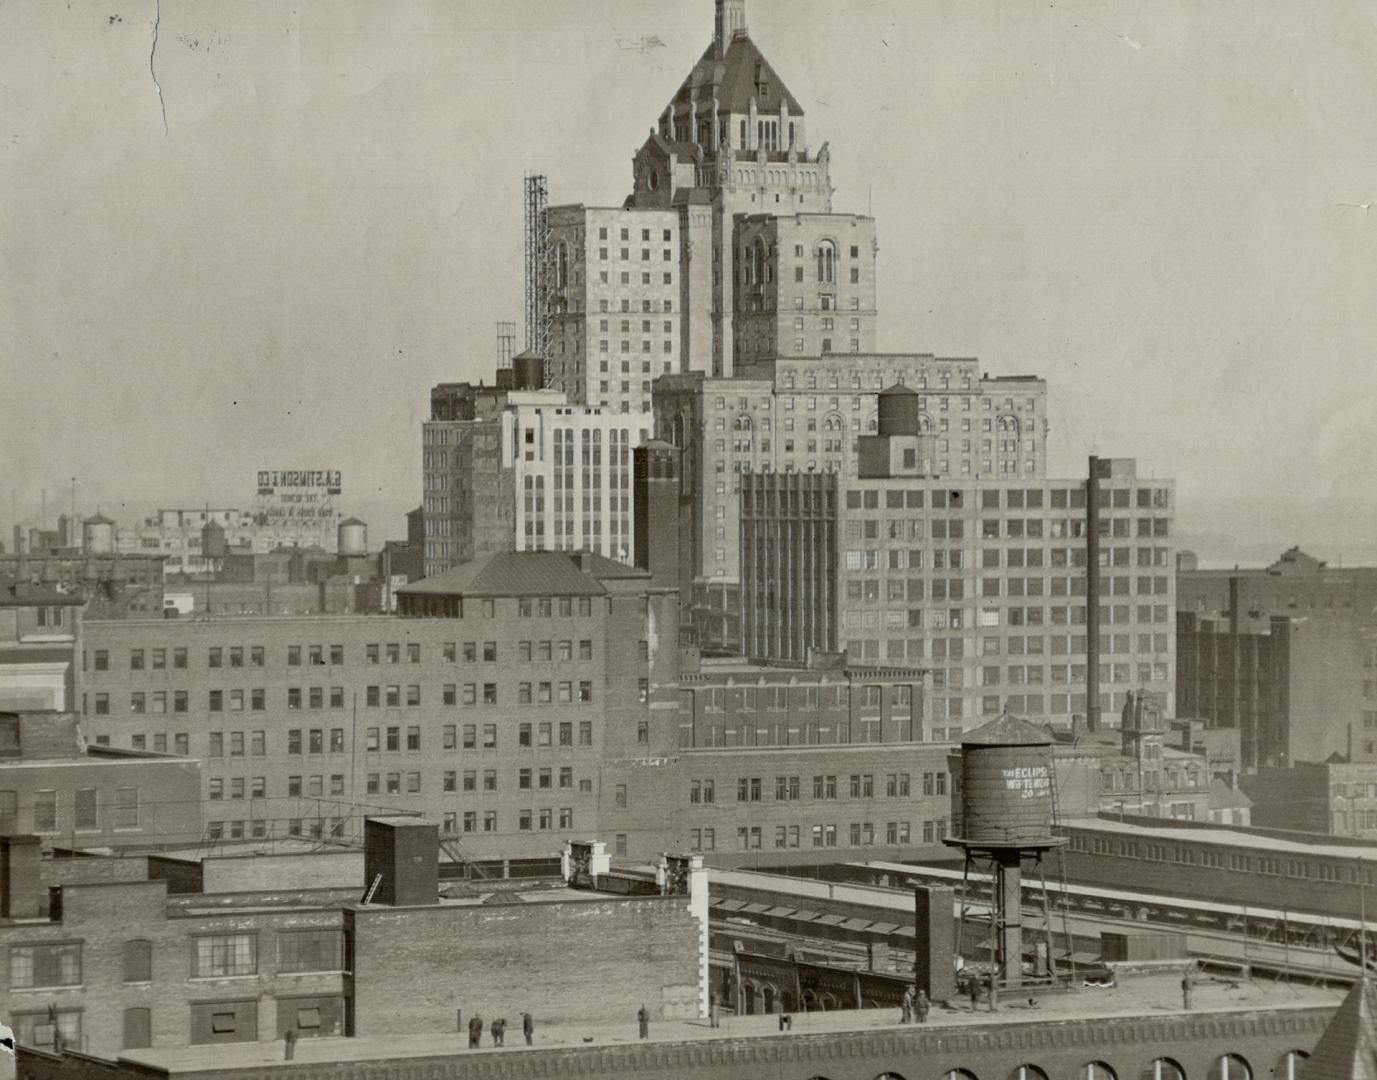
(783, 764)
(1286, 656)
(120, 965)
(53, 785)
(468, 499)
(489, 716)
(1335, 797)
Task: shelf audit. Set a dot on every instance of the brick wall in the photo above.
(104, 917)
(562, 962)
(1126, 1044)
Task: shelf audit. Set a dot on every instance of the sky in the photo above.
(252, 235)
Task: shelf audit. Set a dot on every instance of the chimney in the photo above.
(401, 855)
(655, 497)
(1092, 596)
(21, 563)
(934, 937)
(21, 890)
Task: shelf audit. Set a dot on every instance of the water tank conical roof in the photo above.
(1007, 730)
(97, 519)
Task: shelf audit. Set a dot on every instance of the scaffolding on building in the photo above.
(506, 344)
(538, 276)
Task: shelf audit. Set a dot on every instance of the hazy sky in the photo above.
(1164, 208)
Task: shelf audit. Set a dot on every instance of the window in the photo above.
(45, 811)
(138, 961)
(222, 955)
(36, 1028)
(45, 965)
(310, 950)
(138, 1029)
(85, 809)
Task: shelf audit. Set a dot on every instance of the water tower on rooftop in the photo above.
(1006, 826)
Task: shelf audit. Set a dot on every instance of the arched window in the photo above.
(889, 1076)
(959, 1074)
(827, 262)
(561, 265)
(138, 1029)
(1096, 1070)
(1009, 424)
(1230, 1067)
(1164, 1069)
(1027, 1072)
(759, 263)
(138, 961)
(1289, 1067)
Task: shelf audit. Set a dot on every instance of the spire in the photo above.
(1348, 1048)
(731, 20)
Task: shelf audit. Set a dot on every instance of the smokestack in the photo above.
(1092, 596)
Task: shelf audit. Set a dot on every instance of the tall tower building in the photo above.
(731, 142)
(726, 252)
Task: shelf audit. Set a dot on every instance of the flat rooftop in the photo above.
(287, 845)
(1267, 844)
(1138, 996)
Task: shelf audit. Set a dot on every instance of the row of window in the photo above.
(36, 966)
(1273, 866)
(86, 810)
(988, 618)
(791, 788)
(1072, 498)
(896, 589)
(857, 834)
(565, 692)
(255, 656)
(221, 744)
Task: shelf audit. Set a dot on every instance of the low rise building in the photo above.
(40, 628)
(1334, 797)
(115, 966)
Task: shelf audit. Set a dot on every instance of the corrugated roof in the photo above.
(1007, 730)
(526, 573)
(1348, 1048)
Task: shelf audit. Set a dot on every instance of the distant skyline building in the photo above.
(1285, 654)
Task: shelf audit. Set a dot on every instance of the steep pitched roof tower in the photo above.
(731, 141)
